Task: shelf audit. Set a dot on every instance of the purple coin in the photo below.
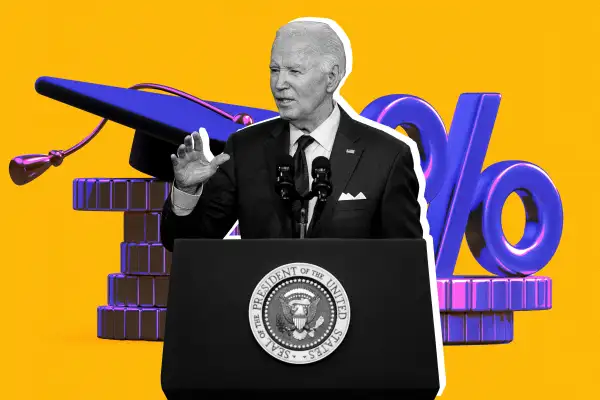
(460, 294)
(137, 291)
(100, 194)
(141, 226)
(145, 259)
(470, 328)
(131, 323)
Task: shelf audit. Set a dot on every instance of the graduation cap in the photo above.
(161, 121)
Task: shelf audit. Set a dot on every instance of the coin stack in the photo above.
(137, 295)
(480, 310)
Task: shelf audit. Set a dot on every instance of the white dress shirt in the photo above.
(324, 135)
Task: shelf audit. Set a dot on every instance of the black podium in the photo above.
(387, 350)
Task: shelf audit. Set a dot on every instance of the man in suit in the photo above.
(209, 195)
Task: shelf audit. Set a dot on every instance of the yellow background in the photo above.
(542, 59)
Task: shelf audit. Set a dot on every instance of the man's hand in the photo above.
(194, 163)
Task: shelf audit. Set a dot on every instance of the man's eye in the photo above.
(295, 71)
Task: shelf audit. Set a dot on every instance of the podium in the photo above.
(310, 319)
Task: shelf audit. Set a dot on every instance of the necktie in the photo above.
(300, 165)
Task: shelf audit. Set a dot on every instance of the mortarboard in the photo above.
(161, 121)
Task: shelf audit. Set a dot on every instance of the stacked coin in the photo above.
(480, 310)
(474, 310)
(137, 296)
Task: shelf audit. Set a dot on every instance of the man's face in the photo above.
(297, 82)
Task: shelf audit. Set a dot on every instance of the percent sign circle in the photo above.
(543, 219)
(462, 200)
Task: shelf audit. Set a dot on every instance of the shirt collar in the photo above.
(324, 134)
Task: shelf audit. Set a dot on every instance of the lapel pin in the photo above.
(350, 151)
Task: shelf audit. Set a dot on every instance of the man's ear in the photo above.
(333, 79)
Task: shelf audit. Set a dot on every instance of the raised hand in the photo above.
(194, 163)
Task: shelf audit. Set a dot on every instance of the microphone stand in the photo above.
(321, 200)
(321, 188)
(303, 219)
(303, 223)
(290, 197)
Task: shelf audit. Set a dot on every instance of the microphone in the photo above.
(284, 180)
(23, 169)
(321, 173)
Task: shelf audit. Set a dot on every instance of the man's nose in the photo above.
(281, 82)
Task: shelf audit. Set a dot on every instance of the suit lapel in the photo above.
(345, 154)
(278, 143)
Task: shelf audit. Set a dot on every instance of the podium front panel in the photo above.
(389, 345)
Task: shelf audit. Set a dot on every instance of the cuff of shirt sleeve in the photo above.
(184, 203)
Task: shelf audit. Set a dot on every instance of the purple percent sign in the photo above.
(465, 201)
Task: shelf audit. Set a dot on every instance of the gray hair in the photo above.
(326, 42)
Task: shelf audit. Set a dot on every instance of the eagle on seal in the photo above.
(298, 315)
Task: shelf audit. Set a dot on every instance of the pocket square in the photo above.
(345, 196)
(348, 196)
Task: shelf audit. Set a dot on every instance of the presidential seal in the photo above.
(299, 313)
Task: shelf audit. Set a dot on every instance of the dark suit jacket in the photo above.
(381, 167)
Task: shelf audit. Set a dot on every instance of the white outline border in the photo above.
(420, 198)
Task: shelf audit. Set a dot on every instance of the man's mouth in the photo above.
(284, 100)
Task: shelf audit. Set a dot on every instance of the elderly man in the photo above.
(369, 167)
